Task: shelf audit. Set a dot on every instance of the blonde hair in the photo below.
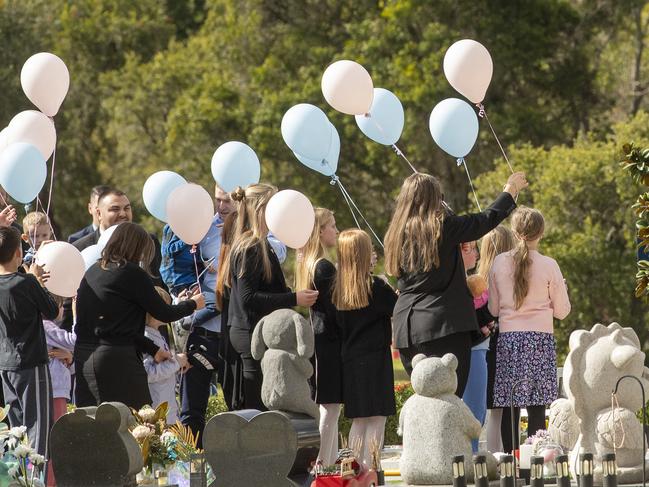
(223, 271)
(413, 237)
(250, 228)
(353, 285)
(165, 297)
(34, 219)
(527, 225)
(313, 251)
(497, 241)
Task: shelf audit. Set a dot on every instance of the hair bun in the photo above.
(238, 194)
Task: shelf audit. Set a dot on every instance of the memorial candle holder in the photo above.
(585, 478)
(459, 475)
(609, 470)
(480, 471)
(536, 471)
(563, 471)
(507, 471)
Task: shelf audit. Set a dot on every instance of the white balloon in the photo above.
(290, 217)
(66, 266)
(45, 80)
(105, 237)
(348, 87)
(33, 127)
(190, 211)
(468, 68)
(91, 255)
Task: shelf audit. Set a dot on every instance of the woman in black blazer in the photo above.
(434, 314)
(257, 284)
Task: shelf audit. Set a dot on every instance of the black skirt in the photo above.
(110, 373)
(328, 370)
(491, 367)
(368, 386)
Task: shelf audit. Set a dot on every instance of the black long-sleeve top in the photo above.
(252, 297)
(323, 311)
(23, 303)
(438, 303)
(112, 305)
(368, 330)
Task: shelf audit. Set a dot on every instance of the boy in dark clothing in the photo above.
(23, 350)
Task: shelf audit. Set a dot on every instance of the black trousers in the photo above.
(231, 373)
(195, 385)
(252, 377)
(535, 422)
(459, 344)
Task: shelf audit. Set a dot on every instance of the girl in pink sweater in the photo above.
(526, 292)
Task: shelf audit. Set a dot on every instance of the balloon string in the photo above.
(334, 180)
(398, 151)
(342, 188)
(198, 280)
(483, 114)
(49, 196)
(462, 161)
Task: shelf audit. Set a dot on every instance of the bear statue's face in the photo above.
(434, 376)
(605, 361)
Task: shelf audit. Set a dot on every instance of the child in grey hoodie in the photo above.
(162, 376)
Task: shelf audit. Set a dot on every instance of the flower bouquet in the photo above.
(23, 466)
(166, 450)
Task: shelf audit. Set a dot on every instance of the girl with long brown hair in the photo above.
(364, 309)
(315, 271)
(434, 314)
(112, 302)
(257, 282)
(527, 292)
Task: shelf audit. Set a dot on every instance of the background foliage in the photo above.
(160, 84)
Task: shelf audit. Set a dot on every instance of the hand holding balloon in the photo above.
(306, 298)
(39, 273)
(199, 299)
(8, 216)
(515, 183)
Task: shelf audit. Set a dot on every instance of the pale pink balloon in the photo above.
(290, 217)
(190, 211)
(66, 266)
(348, 87)
(33, 127)
(45, 80)
(468, 68)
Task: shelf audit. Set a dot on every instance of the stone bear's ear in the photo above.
(417, 358)
(450, 361)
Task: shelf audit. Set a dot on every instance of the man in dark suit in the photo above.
(92, 209)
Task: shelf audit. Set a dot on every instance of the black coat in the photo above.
(251, 296)
(80, 234)
(438, 303)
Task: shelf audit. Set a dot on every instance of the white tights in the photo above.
(367, 431)
(494, 436)
(329, 433)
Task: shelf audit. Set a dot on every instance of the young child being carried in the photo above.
(162, 376)
(36, 230)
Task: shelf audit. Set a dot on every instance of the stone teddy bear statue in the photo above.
(435, 424)
(284, 342)
(586, 421)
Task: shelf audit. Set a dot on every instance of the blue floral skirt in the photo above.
(528, 355)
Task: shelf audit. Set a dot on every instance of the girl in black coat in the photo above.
(113, 299)
(257, 284)
(314, 271)
(364, 307)
(434, 314)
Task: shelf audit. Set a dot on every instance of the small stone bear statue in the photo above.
(284, 342)
(435, 424)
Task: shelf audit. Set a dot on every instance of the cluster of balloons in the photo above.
(453, 122)
(30, 138)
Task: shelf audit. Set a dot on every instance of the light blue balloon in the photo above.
(454, 126)
(22, 171)
(157, 189)
(235, 164)
(305, 129)
(385, 123)
(328, 164)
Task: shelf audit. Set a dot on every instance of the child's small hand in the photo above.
(485, 330)
(161, 355)
(8, 216)
(181, 358)
(39, 272)
(64, 356)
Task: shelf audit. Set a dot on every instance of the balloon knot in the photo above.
(460, 161)
(334, 180)
(193, 249)
(481, 110)
(368, 115)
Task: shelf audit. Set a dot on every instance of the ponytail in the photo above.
(521, 273)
